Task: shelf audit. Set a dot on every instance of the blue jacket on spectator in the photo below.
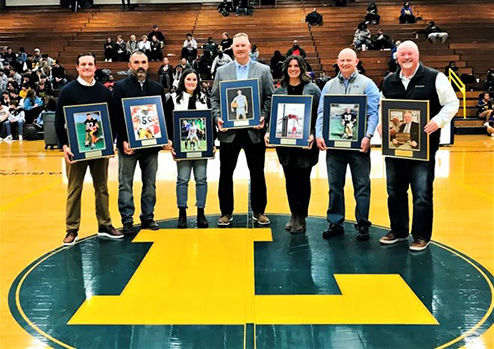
(28, 105)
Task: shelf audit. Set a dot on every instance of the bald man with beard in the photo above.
(349, 82)
(415, 81)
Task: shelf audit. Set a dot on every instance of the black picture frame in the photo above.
(344, 121)
(400, 140)
(195, 145)
(89, 131)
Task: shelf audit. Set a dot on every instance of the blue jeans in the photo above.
(337, 162)
(6, 128)
(126, 169)
(20, 125)
(184, 168)
(419, 175)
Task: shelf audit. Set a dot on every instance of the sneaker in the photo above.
(8, 138)
(128, 228)
(149, 224)
(20, 138)
(261, 219)
(390, 238)
(109, 232)
(225, 220)
(419, 245)
(333, 230)
(70, 238)
(363, 233)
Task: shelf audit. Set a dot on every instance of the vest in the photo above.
(421, 87)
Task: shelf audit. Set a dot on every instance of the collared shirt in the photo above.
(407, 127)
(84, 83)
(242, 70)
(446, 94)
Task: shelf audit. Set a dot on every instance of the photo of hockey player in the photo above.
(89, 131)
(290, 120)
(240, 104)
(343, 122)
(193, 134)
(145, 121)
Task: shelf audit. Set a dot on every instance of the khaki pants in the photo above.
(75, 175)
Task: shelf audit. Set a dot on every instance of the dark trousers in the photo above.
(128, 3)
(337, 162)
(419, 175)
(255, 154)
(298, 189)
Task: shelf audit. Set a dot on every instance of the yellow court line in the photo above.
(489, 310)
(27, 196)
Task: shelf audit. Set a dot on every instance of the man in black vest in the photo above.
(415, 81)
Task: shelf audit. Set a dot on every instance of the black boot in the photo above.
(202, 222)
(182, 217)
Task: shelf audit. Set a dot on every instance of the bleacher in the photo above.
(64, 34)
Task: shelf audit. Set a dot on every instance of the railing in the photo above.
(461, 86)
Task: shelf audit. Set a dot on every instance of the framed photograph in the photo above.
(290, 120)
(344, 121)
(403, 123)
(240, 103)
(145, 121)
(89, 131)
(193, 134)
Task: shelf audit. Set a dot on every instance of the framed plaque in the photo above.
(193, 134)
(89, 131)
(145, 122)
(403, 123)
(240, 103)
(344, 121)
(290, 120)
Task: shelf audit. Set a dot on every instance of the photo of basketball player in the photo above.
(240, 104)
(89, 131)
(290, 120)
(145, 121)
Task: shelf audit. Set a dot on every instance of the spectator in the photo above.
(179, 69)
(46, 58)
(33, 105)
(109, 49)
(157, 32)
(25, 88)
(189, 49)
(314, 18)
(362, 37)
(144, 45)
(406, 14)
(254, 53)
(5, 99)
(243, 7)
(44, 68)
(59, 75)
(296, 50)
(21, 56)
(276, 64)
(156, 47)
(360, 67)
(15, 76)
(211, 46)
(371, 17)
(3, 80)
(165, 74)
(206, 89)
(43, 87)
(225, 8)
(120, 49)
(226, 44)
(205, 64)
(9, 57)
(37, 56)
(484, 106)
(489, 80)
(381, 41)
(132, 45)
(434, 34)
(110, 82)
(452, 66)
(17, 117)
(220, 60)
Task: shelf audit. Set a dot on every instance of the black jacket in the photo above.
(127, 88)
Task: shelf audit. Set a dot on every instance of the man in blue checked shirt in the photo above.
(349, 82)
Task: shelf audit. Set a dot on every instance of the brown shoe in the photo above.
(419, 245)
(225, 220)
(298, 225)
(70, 238)
(109, 232)
(391, 238)
(289, 224)
(261, 219)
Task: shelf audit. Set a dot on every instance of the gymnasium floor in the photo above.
(243, 287)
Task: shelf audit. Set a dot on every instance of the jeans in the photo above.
(337, 161)
(20, 125)
(419, 175)
(184, 168)
(126, 169)
(6, 128)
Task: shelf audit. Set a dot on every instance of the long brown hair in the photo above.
(303, 70)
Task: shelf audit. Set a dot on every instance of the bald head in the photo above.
(347, 62)
(408, 57)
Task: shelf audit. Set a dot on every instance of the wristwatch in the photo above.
(368, 135)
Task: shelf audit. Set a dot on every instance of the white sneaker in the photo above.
(492, 134)
(20, 138)
(8, 138)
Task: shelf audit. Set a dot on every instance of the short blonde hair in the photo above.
(239, 35)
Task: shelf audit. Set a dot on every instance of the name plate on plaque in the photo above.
(241, 123)
(147, 142)
(288, 141)
(93, 154)
(342, 144)
(404, 153)
(194, 155)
